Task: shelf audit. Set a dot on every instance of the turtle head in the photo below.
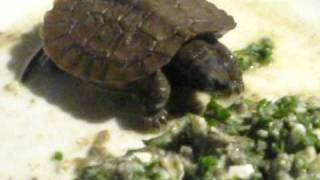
(220, 71)
(209, 66)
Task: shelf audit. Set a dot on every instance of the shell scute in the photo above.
(154, 61)
(100, 43)
(58, 16)
(71, 58)
(99, 69)
(100, 7)
(131, 49)
(65, 4)
(156, 28)
(83, 68)
(120, 41)
(57, 48)
(131, 21)
(170, 46)
(54, 31)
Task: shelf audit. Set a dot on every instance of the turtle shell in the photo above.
(119, 41)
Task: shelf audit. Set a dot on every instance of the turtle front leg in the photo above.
(153, 93)
(207, 66)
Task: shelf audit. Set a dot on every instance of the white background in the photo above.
(36, 119)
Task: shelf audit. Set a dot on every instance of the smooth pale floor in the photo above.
(45, 115)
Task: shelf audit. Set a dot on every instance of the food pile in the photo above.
(247, 140)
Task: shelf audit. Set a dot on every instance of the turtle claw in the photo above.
(31, 61)
(39, 58)
(157, 120)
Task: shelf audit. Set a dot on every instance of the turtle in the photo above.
(142, 48)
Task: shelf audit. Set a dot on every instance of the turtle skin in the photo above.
(123, 45)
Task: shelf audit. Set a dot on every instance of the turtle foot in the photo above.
(156, 120)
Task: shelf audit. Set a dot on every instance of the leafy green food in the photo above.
(216, 111)
(207, 166)
(57, 156)
(94, 173)
(247, 140)
(256, 54)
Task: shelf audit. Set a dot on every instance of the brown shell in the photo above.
(119, 41)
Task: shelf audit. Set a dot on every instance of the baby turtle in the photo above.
(124, 45)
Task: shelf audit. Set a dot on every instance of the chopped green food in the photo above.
(206, 167)
(247, 140)
(216, 111)
(256, 54)
(57, 156)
